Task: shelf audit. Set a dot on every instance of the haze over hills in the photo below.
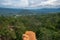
(10, 11)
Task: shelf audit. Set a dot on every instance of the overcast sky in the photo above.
(30, 3)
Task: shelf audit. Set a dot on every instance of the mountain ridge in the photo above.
(8, 11)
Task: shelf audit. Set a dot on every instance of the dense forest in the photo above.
(46, 27)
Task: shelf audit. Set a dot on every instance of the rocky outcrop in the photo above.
(29, 35)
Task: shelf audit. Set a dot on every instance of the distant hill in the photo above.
(10, 11)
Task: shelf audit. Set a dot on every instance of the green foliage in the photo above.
(46, 27)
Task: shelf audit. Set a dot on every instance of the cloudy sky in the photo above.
(30, 3)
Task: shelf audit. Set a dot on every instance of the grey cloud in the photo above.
(30, 3)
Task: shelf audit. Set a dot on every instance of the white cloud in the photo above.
(15, 3)
(48, 3)
(30, 3)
